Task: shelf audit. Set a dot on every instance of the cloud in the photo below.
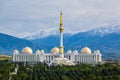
(21, 16)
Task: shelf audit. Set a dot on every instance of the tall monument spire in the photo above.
(61, 51)
(61, 22)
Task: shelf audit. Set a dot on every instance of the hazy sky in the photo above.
(29, 16)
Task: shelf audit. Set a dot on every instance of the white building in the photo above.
(57, 56)
(84, 56)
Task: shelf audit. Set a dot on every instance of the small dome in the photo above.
(97, 51)
(37, 51)
(27, 50)
(75, 51)
(15, 52)
(55, 50)
(42, 51)
(69, 51)
(86, 50)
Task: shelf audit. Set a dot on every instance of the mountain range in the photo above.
(9, 43)
(106, 39)
(105, 30)
(40, 34)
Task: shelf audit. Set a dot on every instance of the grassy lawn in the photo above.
(5, 58)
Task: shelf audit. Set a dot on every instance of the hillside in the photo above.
(9, 43)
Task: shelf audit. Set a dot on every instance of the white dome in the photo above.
(69, 51)
(27, 50)
(15, 52)
(55, 50)
(97, 51)
(86, 50)
(42, 51)
(61, 62)
(75, 51)
(37, 51)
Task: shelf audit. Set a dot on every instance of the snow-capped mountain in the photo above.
(105, 30)
(101, 31)
(40, 34)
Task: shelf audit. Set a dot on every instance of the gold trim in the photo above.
(61, 30)
(61, 50)
(61, 24)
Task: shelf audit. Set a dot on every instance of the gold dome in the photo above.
(86, 50)
(27, 50)
(55, 50)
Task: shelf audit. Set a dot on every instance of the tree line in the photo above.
(107, 71)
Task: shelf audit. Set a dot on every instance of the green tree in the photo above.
(65, 78)
(42, 78)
